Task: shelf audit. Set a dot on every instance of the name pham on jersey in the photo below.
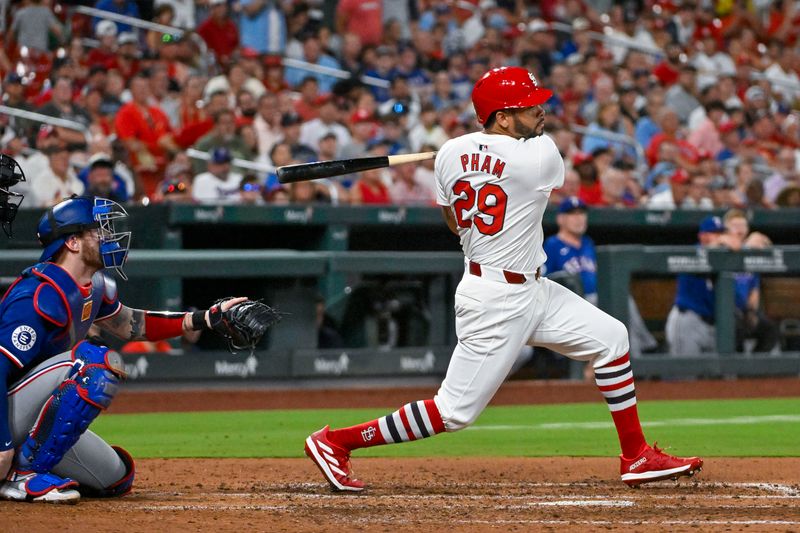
(473, 163)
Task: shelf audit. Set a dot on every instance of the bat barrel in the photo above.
(329, 169)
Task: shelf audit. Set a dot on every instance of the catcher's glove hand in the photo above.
(242, 324)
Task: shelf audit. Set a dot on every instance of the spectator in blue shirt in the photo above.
(385, 69)
(646, 126)
(120, 7)
(262, 26)
(312, 53)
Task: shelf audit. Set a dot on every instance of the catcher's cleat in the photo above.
(654, 465)
(44, 488)
(333, 461)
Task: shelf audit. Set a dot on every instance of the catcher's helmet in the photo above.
(507, 88)
(80, 213)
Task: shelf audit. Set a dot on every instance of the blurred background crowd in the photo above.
(687, 104)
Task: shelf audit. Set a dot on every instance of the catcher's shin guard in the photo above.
(92, 385)
(118, 488)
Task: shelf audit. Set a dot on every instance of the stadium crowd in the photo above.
(688, 104)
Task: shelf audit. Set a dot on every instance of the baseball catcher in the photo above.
(54, 383)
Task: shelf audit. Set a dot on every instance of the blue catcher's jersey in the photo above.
(45, 313)
(583, 261)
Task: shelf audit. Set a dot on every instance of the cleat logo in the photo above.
(368, 434)
(637, 464)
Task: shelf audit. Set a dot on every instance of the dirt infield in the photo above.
(414, 495)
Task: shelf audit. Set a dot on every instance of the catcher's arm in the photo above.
(241, 321)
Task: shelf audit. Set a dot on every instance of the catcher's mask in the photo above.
(10, 174)
(80, 213)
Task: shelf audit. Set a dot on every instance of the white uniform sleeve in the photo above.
(551, 164)
(203, 189)
(439, 177)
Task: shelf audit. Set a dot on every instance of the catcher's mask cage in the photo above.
(81, 213)
(10, 174)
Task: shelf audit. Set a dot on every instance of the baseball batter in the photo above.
(53, 383)
(493, 187)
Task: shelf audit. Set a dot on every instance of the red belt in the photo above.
(511, 277)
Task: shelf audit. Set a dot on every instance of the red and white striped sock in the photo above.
(615, 381)
(415, 420)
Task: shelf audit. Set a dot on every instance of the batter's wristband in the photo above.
(199, 321)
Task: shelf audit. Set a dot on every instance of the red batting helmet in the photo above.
(507, 88)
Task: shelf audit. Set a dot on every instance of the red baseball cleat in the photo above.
(654, 465)
(332, 460)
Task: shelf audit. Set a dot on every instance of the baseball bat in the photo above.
(329, 169)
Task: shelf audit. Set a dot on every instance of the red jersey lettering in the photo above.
(498, 168)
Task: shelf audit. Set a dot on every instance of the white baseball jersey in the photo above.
(498, 188)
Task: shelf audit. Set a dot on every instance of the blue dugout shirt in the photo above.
(583, 261)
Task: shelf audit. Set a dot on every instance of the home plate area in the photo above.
(434, 494)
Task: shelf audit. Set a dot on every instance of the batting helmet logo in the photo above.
(507, 88)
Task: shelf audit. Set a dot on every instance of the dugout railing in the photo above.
(291, 280)
(619, 265)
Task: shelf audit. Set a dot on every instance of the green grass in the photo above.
(707, 428)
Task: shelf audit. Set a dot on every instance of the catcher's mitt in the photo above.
(244, 324)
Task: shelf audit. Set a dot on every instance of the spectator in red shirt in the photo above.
(194, 115)
(370, 189)
(306, 105)
(106, 53)
(668, 70)
(126, 61)
(590, 190)
(362, 17)
(273, 74)
(146, 133)
(668, 121)
(93, 102)
(220, 32)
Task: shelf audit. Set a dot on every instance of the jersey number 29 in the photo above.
(496, 210)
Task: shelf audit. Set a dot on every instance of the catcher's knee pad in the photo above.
(118, 488)
(91, 386)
